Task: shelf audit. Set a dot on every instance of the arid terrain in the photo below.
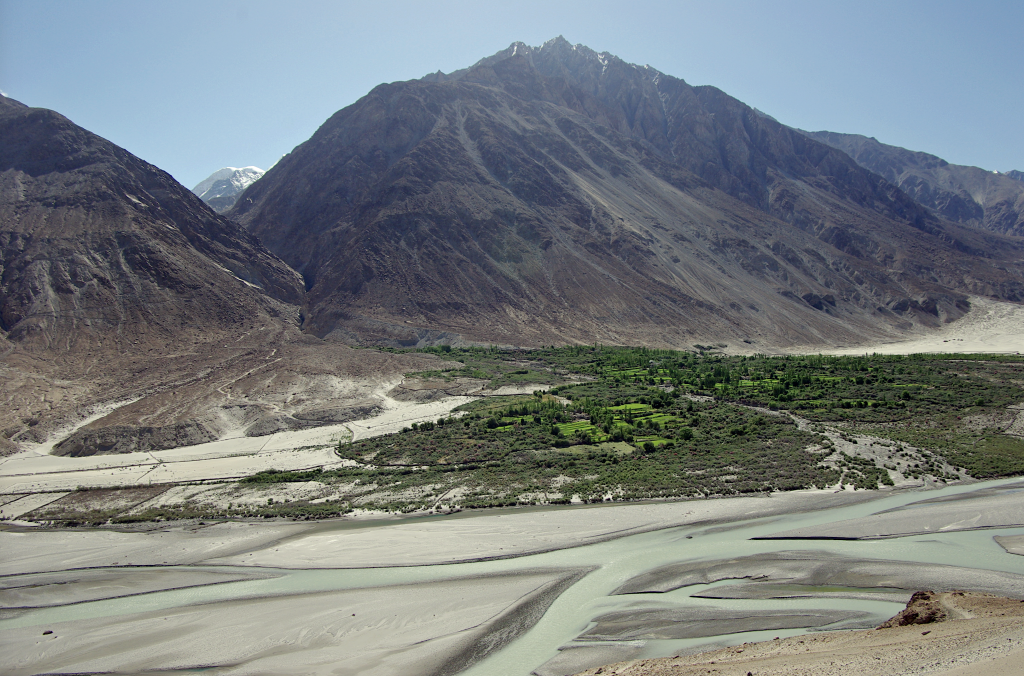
(963, 634)
(532, 367)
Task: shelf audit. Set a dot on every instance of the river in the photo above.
(611, 564)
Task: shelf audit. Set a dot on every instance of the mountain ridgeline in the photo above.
(968, 195)
(544, 195)
(558, 194)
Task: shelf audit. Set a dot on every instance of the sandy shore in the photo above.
(55, 550)
(983, 637)
(470, 536)
(803, 574)
(347, 543)
(999, 508)
(41, 590)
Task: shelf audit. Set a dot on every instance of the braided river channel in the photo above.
(656, 592)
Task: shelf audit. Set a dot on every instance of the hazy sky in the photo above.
(195, 86)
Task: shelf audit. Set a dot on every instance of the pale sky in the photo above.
(195, 86)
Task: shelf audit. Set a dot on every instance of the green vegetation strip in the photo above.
(635, 423)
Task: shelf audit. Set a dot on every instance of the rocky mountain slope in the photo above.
(558, 194)
(125, 299)
(221, 189)
(97, 245)
(968, 195)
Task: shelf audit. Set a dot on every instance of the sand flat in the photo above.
(1013, 544)
(165, 470)
(990, 326)
(702, 622)
(35, 471)
(396, 542)
(823, 569)
(999, 509)
(26, 503)
(516, 533)
(40, 590)
(403, 630)
(54, 550)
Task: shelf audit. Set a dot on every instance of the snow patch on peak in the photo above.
(222, 187)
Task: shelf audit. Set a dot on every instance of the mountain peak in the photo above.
(558, 193)
(556, 57)
(221, 188)
(11, 103)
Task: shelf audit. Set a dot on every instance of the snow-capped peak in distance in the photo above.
(222, 187)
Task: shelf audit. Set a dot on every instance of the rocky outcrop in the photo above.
(923, 607)
(129, 439)
(422, 390)
(312, 418)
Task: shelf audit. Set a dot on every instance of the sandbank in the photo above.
(1002, 508)
(430, 541)
(53, 550)
(40, 590)
(1013, 544)
(434, 628)
(815, 569)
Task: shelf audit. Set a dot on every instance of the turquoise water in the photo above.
(613, 562)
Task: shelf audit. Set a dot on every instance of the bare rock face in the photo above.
(102, 251)
(556, 194)
(924, 607)
(968, 195)
(130, 439)
(117, 284)
(313, 418)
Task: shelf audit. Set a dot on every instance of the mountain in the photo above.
(134, 318)
(97, 245)
(968, 195)
(1015, 175)
(559, 194)
(119, 287)
(222, 187)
